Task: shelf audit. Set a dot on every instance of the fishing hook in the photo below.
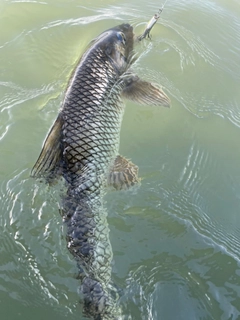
(151, 23)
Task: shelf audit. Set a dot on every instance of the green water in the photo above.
(176, 240)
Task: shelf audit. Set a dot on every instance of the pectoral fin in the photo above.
(144, 92)
(123, 175)
(49, 160)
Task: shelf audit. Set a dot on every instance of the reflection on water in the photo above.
(175, 239)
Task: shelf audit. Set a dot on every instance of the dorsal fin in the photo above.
(48, 163)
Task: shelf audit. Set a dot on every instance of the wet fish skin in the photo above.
(92, 116)
(82, 146)
(88, 241)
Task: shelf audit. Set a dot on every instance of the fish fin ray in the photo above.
(49, 160)
(144, 92)
(123, 174)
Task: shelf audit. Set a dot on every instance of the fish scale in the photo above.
(84, 142)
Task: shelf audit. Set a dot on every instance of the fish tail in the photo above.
(98, 302)
(87, 235)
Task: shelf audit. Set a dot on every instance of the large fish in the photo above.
(82, 146)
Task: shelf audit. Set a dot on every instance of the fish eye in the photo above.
(121, 37)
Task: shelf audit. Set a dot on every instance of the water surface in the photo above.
(176, 239)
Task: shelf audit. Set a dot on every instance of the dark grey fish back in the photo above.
(92, 113)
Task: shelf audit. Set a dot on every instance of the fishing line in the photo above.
(160, 10)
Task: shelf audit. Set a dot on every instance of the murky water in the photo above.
(176, 240)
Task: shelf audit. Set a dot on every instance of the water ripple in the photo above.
(19, 94)
(196, 54)
(152, 286)
(189, 200)
(29, 248)
(194, 44)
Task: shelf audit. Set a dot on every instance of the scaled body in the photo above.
(82, 146)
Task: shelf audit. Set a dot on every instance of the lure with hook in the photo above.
(151, 23)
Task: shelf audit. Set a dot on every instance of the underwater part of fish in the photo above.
(82, 146)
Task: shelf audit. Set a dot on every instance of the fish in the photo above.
(82, 147)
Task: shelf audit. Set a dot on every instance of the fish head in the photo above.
(117, 43)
